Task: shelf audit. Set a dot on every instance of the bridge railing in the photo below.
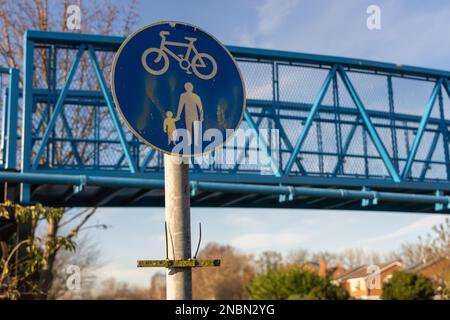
(9, 101)
(338, 121)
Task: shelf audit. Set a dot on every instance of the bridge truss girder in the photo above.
(341, 141)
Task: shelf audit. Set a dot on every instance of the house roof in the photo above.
(313, 264)
(421, 265)
(361, 271)
(357, 272)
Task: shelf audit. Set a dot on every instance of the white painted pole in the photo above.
(178, 218)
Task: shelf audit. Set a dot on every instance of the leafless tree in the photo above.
(111, 289)
(87, 257)
(157, 289)
(353, 257)
(433, 245)
(268, 261)
(227, 281)
(298, 256)
(99, 17)
(331, 258)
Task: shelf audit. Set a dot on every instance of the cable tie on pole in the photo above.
(194, 188)
(291, 193)
(365, 202)
(287, 197)
(439, 206)
(80, 187)
(375, 198)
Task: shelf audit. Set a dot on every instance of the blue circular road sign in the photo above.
(177, 88)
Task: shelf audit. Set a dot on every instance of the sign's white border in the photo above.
(116, 57)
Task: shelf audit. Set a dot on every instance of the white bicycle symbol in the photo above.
(197, 64)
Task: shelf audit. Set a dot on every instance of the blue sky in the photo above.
(412, 32)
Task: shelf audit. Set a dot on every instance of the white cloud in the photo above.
(268, 240)
(339, 28)
(272, 13)
(245, 38)
(244, 220)
(416, 228)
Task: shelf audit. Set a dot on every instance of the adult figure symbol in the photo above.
(191, 103)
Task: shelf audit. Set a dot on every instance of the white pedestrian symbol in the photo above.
(197, 65)
(192, 105)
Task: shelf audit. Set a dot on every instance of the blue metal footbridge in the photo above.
(351, 134)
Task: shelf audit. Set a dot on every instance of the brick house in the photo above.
(361, 282)
(434, 269)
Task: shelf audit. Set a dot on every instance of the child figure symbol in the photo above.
(170, 128)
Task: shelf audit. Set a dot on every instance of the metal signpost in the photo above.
(176, 86)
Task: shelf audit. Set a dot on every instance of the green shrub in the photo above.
(408, 286)
(294, 284)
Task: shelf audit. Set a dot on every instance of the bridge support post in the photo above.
(178, 219)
